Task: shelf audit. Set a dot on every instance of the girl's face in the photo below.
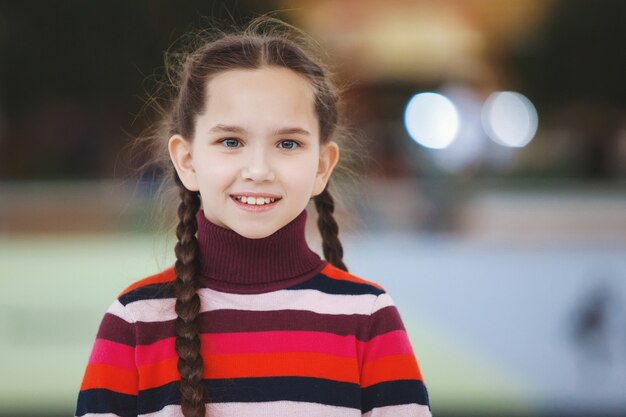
(258, 136)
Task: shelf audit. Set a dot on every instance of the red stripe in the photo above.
(306, 364)
(111, 378)
(390, 368)
(254, 342)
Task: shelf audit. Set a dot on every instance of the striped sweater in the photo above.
(320, 343)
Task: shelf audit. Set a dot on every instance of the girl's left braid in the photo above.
(190, 363)
(327, 225)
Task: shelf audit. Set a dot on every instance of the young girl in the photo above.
(249, 321)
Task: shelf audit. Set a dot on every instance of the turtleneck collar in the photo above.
(234, 263)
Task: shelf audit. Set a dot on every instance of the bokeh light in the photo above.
(431, 120)
(509, 118)
(470, 144)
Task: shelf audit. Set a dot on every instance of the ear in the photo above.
(180, 154)
(329, 156)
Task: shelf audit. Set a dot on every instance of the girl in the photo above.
(249, 321)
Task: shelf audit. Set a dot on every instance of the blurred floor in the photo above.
(512, 295)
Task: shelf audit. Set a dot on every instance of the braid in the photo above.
(190, 364)
(333, 251)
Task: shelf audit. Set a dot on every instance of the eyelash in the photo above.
(223, 141)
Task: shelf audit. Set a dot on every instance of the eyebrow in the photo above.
(236, 129)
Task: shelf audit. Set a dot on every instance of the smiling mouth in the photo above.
(255, 201)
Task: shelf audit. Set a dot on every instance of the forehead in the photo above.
(261, 94)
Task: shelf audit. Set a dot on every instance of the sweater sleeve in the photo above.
(391, 381)
(110, 382)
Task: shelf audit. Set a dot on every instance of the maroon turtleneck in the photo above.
(233, 263)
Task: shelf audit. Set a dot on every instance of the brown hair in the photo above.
(264, 41)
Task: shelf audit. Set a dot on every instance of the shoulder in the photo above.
(351, 281)
(335, 273)
(154, 286)
(361, 295)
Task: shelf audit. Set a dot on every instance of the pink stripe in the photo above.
(254, 342)
(155, 352)
(391, 343)
(106, 352)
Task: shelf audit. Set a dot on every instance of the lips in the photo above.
(258, 201)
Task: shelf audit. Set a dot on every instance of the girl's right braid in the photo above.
(190, 364)
(333, 251)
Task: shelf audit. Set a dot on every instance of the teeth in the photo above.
(259, 201)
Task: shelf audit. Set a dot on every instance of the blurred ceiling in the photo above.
(421, 40)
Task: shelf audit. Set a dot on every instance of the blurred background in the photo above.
(492, 208)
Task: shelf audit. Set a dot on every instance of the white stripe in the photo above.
(405, 410)
(153, 310)
(384, 300)
(258, 409)
(304, 300)
(117, 309)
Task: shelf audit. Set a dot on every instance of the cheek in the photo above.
(209, 169)
(300, 177)
(214, 175)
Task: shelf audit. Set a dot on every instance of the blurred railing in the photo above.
(482, 209)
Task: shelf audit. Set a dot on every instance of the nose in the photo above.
(258, 167)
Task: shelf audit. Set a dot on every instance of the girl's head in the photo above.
(253, 113)
(258, 134)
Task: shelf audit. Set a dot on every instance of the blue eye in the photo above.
(293, 143)
(230, 141)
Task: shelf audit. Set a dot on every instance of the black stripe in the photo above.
(319, 282)
(303, 389)
(329, 285)
(388, 393)
(99, 400)
(149, 292)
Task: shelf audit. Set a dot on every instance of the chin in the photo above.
(255, 236)
(258, 234)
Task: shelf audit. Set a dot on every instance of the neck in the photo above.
(232, 262)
